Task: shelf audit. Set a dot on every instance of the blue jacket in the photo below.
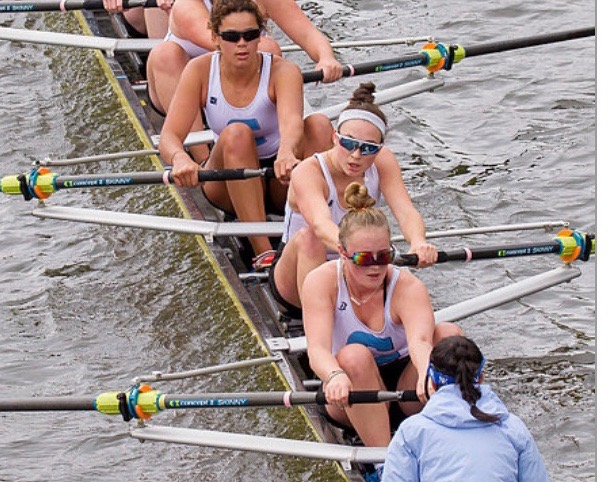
(445, 442)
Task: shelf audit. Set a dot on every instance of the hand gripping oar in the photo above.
(65, 5)
(568, 244)
(436, 56)
(141, 401)
(40, 183)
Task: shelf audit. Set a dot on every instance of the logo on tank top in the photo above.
(330, 203)
(213, 100)
(377, 345)
(342, 306)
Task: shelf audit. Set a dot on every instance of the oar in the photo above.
(40, 183)
(436, 56)
(569, 245)
(65, 5)
(142, 401)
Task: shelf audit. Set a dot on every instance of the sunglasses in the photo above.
(235, 35)
(368, 258)
(351, 145)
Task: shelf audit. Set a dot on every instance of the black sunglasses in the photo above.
(235, 35)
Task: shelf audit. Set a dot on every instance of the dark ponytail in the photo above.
(459, 360)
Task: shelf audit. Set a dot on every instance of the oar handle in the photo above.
(65, 5)
(373, 396)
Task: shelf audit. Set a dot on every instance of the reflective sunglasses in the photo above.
(369, 258)
(351, 145)
(235, 35)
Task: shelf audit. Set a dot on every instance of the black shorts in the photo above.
(390, 374)
(267, 162)
(290, 311)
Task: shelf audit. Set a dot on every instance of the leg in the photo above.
(409, 377)
(318, 132)
(370, 420)
(135, 18)
(157, 22)
(235, 148)
(303, 253)
(165, 65)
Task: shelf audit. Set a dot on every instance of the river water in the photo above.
(510, 138)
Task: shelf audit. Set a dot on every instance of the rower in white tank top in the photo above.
(294, 221)
(192, 50)
(387, 345)
(260, 115)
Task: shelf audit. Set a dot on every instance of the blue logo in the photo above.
(342, 306)
(378, 344)
(213, 100)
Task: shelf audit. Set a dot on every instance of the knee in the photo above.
(270, 45)
(318, 132)
(356, 360)
(308, 244)
(167, 57)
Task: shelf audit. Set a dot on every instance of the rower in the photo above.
(253, 102)
(188, 38)
(465, 432)
(368, 324)
(316, 192)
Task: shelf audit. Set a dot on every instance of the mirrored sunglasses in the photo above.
(351, 145)
(235, 35)
(369, 258)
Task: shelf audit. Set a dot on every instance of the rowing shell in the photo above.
(280, 348)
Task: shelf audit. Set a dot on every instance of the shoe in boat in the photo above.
(264, 261)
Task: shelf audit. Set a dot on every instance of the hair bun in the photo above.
(357, 196)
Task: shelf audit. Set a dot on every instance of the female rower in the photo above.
(314, 202)
(369, 325)
(188, 38)
(464, 432)
(253, 103)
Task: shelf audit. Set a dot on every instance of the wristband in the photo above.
(333, 374)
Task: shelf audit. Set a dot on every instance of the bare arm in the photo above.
(309, 187)
(297, 26)
(318, 301)
(189, 19)
(289, 95)
(182, 112)
(412, 305)
(399, 201)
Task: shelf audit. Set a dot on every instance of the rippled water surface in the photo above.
(510, 138)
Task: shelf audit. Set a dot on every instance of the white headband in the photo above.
(360, 114)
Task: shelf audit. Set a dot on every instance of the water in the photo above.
(510, 138)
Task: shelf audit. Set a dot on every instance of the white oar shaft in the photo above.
(207, 370)
(261, 444)
(96, 158)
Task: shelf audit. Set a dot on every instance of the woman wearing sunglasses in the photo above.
(189, 37)
(253, 103)
(369, 325)
(316, 193)
(465, 432)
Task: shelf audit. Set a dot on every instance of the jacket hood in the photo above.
(446, 407)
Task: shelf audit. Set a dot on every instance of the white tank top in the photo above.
(260, 115)
(387, 345)
(294, 221)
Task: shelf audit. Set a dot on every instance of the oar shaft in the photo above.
(442, 56)
(47, 404)
(570, 245)
(506, 45)
(277, 399)
(65, 5)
